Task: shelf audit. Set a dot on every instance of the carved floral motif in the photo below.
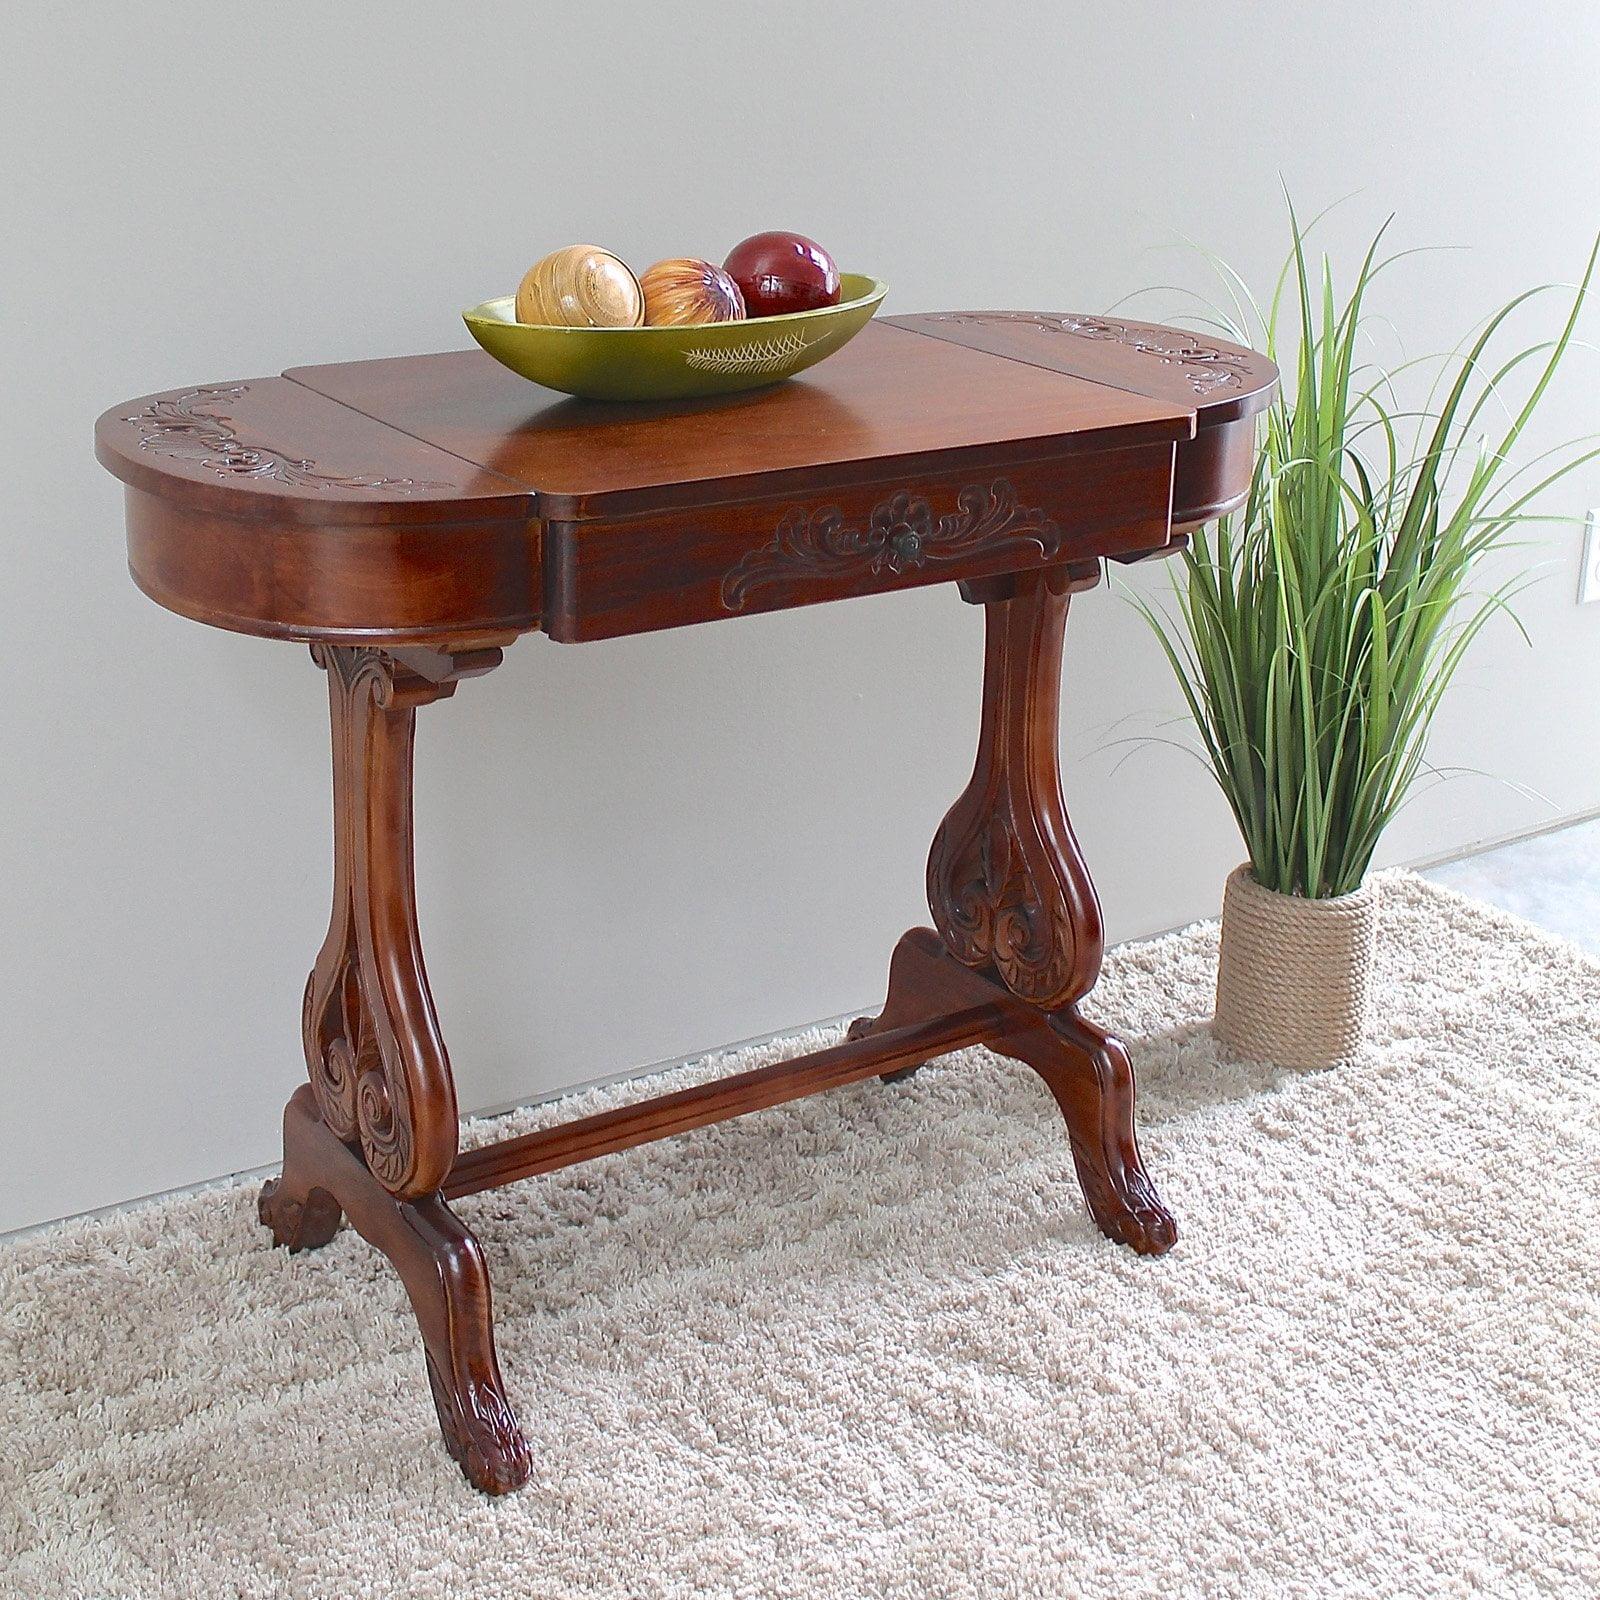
(990, 907)
(1207, 366)
(191, 428)
(901, 535)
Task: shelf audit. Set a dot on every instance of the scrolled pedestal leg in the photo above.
(1013, 902)
(373, 1134)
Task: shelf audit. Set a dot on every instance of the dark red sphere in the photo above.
(778, 272)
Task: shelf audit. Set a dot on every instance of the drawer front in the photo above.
(632, 575)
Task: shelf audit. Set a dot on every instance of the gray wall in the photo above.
(640, 849)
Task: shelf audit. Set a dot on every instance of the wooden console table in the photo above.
(409, 518)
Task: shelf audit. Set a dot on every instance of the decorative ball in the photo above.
(779, 272)
(581, 286)
(685, 290)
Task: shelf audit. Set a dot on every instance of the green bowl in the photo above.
(674, 363)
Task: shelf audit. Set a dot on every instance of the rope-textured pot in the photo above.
(1293, 976)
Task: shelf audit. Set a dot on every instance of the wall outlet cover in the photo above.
(1589, 571)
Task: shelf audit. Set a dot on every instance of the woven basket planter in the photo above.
(1293, 977)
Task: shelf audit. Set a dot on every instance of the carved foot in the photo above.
(301, 1218)
(441, 1263)
(481, 1433)
(446, 1278)
(1088, 1073)
(1124, 1203)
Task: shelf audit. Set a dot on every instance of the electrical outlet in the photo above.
(1589, 572)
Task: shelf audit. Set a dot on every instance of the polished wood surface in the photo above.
(1226, 384)
(272, 449)
(410, 518)
(337, 582)
(262, 507)
(1218, 380)
(881, 406)
(662, 571)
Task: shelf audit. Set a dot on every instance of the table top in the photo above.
(590, 518)
(891, 393)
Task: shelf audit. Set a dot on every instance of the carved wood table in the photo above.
(409, 518)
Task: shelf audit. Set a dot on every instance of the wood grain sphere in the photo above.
(580, 286)
(685, 291)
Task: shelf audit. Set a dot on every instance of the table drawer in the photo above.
(635, 574)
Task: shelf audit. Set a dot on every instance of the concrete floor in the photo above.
(1552, 879)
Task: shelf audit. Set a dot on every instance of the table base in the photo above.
(373, 1136)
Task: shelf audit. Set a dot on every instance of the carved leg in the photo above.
(1089, 1074)
(374, 1053)
(1012, 899)
(442, 1267)
(375, 1132)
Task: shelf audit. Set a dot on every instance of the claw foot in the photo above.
(481, 1433)
(299, 1222)
(1129, 1212)
(1091, 1077)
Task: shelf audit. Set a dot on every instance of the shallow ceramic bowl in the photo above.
(674, 363)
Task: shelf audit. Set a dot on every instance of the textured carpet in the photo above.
(870, 1345)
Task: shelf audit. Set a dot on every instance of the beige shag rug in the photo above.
(870, 1345)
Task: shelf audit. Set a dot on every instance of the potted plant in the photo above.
(1317, 628)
